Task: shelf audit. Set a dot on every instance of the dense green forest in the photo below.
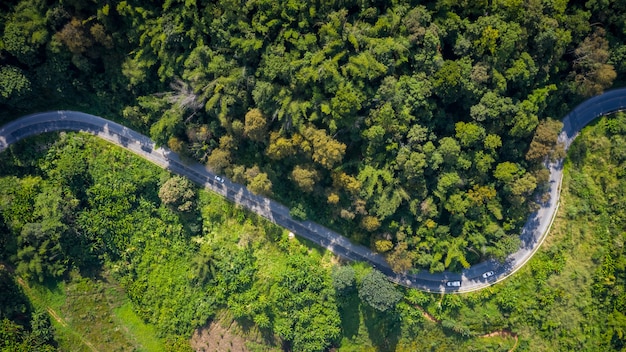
(417, 128)
(74, 206)
(81, 205)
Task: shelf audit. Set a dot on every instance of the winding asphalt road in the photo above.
(470, 279)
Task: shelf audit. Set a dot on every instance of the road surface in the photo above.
(470, 279)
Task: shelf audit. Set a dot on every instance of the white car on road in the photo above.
(453, 283)
(219, 179)
(488, 274)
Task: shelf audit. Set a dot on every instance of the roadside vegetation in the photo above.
(419, 130)
(570, 295)
(166, 277)
(74, 204)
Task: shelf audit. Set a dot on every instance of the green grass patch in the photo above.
(90, 314)
(142, 334)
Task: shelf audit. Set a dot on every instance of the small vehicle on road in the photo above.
(220, 179)
(453, 283)
(488, 274)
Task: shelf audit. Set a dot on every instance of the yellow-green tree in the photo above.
(305, 177)
(255, 126)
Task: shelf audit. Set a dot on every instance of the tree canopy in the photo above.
(391, 116)
(378, 292)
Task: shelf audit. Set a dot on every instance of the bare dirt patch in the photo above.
(223, 334)
(215, 337)
(504, 333)
(427, 315)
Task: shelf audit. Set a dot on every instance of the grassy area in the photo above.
(550, 304)
(50, 297)
(92, 315)
(140, 333)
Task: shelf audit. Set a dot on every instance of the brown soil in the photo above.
(56, 316)
(215, 337)
(225, 334)
(504, 333)
(427, 315)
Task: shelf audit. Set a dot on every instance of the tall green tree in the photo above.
(178, 193)
(378, 292)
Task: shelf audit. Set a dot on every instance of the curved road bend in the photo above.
(471, 279)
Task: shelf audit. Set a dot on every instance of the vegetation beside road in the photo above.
(224, 259)
(77, 203)
(570, 295)
(419, 130)
(416, 129)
